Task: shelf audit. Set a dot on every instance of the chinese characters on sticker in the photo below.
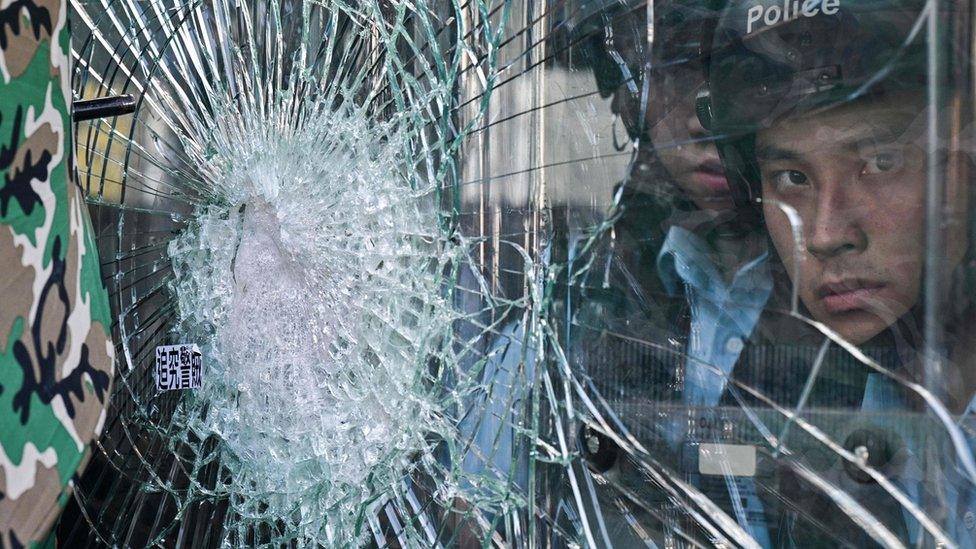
(178, 367)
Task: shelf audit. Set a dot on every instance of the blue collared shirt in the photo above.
(882, 397)
(722, 318)
(722, 315)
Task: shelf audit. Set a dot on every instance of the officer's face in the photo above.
(678, 138)
(855, 177)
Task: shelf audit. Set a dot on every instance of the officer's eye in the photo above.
(786, 180)
(883, 162)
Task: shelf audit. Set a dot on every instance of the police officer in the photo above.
(825, 112)
(664, 302)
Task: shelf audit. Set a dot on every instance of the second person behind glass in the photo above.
(664, 302)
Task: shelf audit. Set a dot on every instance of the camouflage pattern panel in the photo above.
(56, 356)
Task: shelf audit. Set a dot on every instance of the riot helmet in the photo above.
(771, 59)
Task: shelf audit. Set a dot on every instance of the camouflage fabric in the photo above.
(56, 356)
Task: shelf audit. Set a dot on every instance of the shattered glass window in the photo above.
(576, 273)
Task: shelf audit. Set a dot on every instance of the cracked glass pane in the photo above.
(571, 273)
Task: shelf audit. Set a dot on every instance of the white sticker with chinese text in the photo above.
(178, 367)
